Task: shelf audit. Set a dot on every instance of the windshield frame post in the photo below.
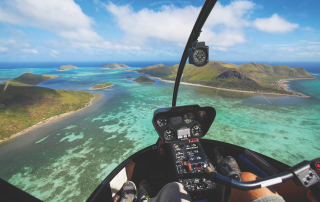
(194, 35)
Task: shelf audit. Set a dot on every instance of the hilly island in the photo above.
(66, 67)
(113, 66)
(143, 79)
(22, 105)
(102, 86)
(246, 77)
(28, 79)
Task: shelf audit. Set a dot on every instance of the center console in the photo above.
(188, 157)
(181, 129)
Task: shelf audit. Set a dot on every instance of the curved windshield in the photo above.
(80, 81)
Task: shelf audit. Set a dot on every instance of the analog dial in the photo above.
(162, 121)
(188, 118)
(196, 130)
(200, 56)
(202, 115)
(168, 134)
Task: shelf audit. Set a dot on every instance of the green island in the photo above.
(252, 77)
(102, 86)
(113, 66)
(143, 79)
(66, 67)
(129, 77)
(28, 79)
(23, 105)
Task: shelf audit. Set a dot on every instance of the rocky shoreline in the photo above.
(282, 83)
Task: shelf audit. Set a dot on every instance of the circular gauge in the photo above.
(200, 56)
(188, 117)
(196, 130)
(162, 121)
(168, 134)
(202, 115)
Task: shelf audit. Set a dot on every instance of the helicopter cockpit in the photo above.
(205, 167)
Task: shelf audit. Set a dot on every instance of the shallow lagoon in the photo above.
(67, 160)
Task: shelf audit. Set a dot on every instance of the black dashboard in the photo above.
(183, 122)
(181, 129)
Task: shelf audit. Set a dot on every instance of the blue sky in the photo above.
(129, 30)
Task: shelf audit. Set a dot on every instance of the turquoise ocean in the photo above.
(66, 160)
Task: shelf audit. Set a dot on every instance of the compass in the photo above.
(198, 54)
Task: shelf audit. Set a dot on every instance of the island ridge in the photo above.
(253, 77)
(66, 67)
(113, 66)
(143, 79)
(28, 79)
(102, 86)
(22, 105)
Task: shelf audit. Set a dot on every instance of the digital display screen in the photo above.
(183, 132)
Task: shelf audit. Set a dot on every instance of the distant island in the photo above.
(143, 79)
(28, 79)
(66, 67)
(113, 66)
(102, 86)
(129, 77)
(253, 77)
(25, 106)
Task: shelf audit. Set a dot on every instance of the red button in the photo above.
(318, 165)
(190, 168)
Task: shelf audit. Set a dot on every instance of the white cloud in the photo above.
(224, 27)
(170, 23)
(64, 17)
(54, 53)
(306, 51)
(274, 24)
(3, 49)
(307, 28)
(173, 24)
(34, 51)
(168, 26)
(231, 16)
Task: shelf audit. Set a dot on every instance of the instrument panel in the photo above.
(183, 122)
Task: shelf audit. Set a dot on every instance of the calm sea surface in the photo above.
(67, 160)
